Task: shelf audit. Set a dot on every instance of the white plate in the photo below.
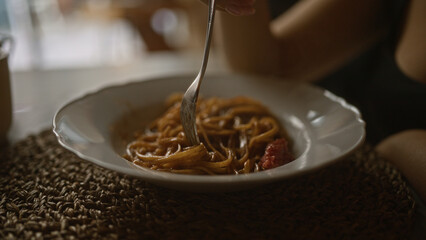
(322, 126)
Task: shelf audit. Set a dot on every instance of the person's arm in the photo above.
(307, 42)
(411, 48)
(407, 151)
(247, 41)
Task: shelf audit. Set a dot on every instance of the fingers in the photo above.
(237, 2)
(236, 7)
(240, 10)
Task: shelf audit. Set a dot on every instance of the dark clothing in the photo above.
(388, 100)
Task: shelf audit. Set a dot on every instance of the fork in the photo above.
(189, 101)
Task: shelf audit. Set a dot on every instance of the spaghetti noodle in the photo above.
(234, 134)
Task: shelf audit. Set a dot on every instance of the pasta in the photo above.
(234, 134)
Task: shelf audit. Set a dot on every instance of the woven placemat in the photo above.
(49, 193)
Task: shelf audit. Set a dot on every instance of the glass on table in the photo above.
(5, 91)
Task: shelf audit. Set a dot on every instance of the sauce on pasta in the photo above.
(238, 135)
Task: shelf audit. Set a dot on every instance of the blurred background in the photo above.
(58, 34)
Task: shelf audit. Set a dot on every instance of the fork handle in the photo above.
(210, 22)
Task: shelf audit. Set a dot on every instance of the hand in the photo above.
(236, 7)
